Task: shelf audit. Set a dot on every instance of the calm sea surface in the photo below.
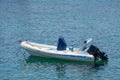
(43, 21)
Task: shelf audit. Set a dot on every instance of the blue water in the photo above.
(43, 21)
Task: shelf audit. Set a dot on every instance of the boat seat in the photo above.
(61, 44)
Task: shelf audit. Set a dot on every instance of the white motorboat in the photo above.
(61, 51)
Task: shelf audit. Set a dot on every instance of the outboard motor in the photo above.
(93, 50)
(61, 44)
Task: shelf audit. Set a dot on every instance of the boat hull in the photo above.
(57, 54)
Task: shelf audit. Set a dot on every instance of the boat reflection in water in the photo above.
(62, 67)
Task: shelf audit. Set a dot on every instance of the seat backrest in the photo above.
(61, 44)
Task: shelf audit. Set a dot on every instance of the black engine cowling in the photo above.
(93, 50)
